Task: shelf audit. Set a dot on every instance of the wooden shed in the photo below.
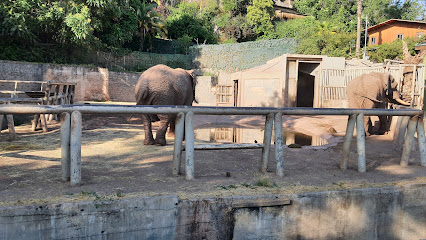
(291, 80)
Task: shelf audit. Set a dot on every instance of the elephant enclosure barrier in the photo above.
(410, 79)
(71, 131)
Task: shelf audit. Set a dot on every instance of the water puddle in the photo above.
(249, 135)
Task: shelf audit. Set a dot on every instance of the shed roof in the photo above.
(393, 21)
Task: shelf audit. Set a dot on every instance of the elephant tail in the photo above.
(142, 93)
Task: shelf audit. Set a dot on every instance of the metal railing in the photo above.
(71, 133)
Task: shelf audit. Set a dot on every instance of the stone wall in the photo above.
(122, 86)
(377, 213)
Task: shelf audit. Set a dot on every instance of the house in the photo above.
(389, 31)
(284, 10)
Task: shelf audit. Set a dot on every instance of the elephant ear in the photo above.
(194, 79)
(194, 82)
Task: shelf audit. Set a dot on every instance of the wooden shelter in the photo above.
(389, 31)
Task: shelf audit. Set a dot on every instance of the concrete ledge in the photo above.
(376, 213)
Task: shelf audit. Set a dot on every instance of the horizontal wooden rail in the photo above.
(71, 130)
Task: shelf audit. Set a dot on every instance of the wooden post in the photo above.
(1, 122)
(65, 145)
(360, 140)
(267, 142)
(179, 130)
(75, 148)
(11, 126)
(348, 140)
(43, 122)
(399, 140)
(409, 139)
(422, 141)
(189, 146)
(279, 156)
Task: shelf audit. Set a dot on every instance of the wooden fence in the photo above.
(334, 82)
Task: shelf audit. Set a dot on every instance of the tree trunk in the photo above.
(142, 39)
(358, 28)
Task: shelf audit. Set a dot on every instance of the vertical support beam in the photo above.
(189, 145)
(43, 122)
(267, 142)
(279, 156)
(179, 129)
(11, 126)
(360, 142)
(422, 141)
(348, 140)
(402, 132)
(409, 139)
(65, 145)
(1, 121)
(75, 148)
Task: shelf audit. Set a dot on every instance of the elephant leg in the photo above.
(368, 127)
(160, 138)
(149, 140)
(171, 132)
(383, 124)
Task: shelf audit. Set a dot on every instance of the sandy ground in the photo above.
(116, 164)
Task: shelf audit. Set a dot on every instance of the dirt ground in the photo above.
(116, 164)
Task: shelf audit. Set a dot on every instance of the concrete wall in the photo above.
(93, 84)
(386, 213)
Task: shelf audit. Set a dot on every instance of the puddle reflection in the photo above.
(248, 135)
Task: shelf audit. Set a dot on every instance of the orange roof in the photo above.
(392, 21)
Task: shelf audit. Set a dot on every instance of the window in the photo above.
(400, 36)
(373, 41)
(419, 34)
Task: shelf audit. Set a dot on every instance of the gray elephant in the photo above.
(373, 90)
(162, 85)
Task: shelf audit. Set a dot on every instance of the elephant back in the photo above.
(162, 85)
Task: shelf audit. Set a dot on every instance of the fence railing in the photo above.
(71, 133)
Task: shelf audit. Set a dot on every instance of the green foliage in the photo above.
(260, 16)
(185, 20)
(386, 51)
(392, 50)
(343, 13)
(184, 43)
(315, 37)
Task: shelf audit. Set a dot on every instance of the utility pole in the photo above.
(365, 37)
(358, 29)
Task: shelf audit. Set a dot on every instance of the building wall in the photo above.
(388, 33)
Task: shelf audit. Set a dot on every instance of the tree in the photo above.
(344, 13)
(259, 15)
(358, 27)
(185, 20)
(149, 23)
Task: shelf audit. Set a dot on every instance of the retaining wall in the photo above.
(93, 84)
(379, 213)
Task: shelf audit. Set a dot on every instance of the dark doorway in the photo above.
(235, 93)
(306, 84)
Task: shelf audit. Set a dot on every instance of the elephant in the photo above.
(162, 85)
(373, 90)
